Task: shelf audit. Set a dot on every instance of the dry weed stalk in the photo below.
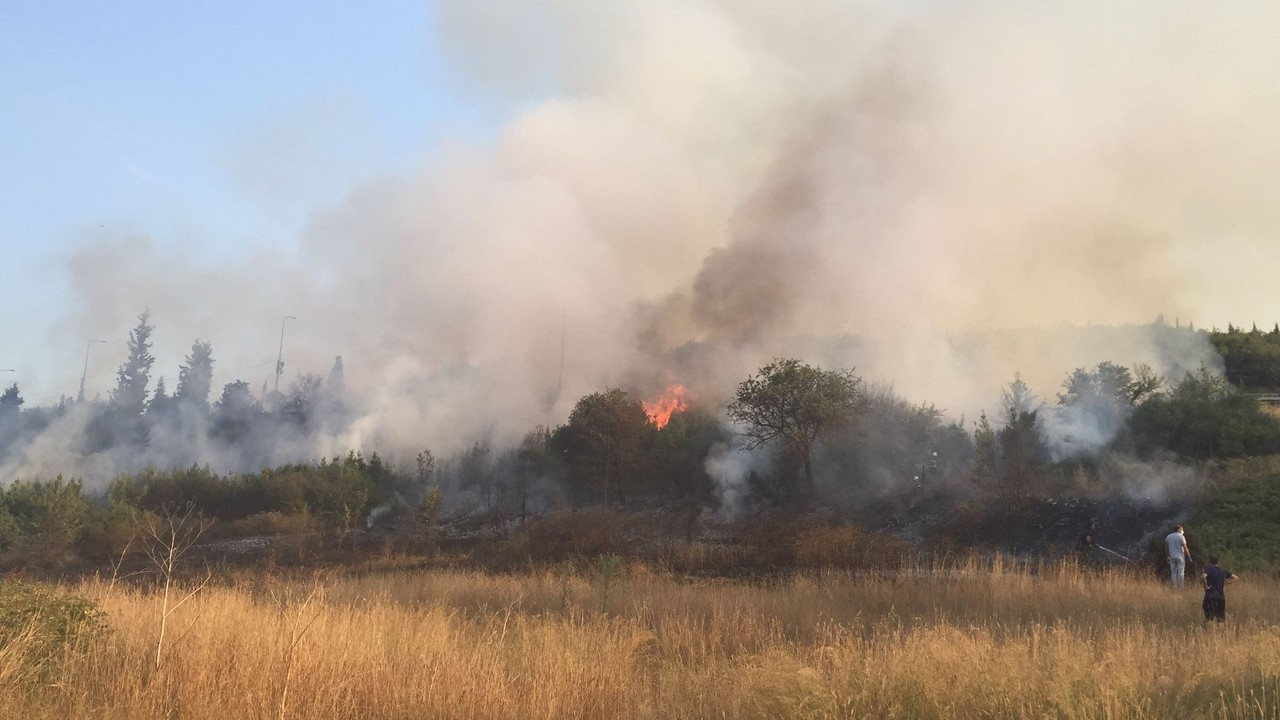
(166, 538)
(298, 626)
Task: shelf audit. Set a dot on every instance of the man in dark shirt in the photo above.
(1216, 580)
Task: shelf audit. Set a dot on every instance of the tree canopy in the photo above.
(603, 442)
(195, 377)
(793, 403)
(130, 395)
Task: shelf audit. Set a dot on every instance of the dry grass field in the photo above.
(612, 641)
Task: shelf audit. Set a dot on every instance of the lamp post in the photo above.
(85, 372)
(280, 353)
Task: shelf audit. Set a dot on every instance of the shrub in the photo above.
(108, 532)
(50, 515)
(41, 621)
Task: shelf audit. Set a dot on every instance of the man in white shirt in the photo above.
(1179, 556)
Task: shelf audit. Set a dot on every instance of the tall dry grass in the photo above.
(964, 641)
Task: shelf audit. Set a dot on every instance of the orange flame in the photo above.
(671, 401)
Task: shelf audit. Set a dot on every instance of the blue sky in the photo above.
(215, 125)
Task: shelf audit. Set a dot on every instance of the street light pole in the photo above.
(85, 372)
(280, 353)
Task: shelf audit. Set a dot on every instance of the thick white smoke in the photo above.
(748, 176)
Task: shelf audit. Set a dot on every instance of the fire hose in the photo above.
(1113, 552)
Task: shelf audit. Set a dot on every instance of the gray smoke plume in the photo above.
(686, 189)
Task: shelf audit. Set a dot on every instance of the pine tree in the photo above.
(130, 395)
(161, 403)
(10, 403)
(336, 383)
(11, 399)
(986, 454)
(195, 377)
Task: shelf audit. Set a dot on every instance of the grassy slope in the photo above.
(1240, 520)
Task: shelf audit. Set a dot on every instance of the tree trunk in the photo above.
(809, 485)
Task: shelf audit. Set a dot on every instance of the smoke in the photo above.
(694, 187)
(1154, 483)
(730, 467)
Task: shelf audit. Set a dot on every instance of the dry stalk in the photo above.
(296, 631)
(167, 536)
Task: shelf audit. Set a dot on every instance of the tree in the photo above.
(1112, 384)
(604, 442)
(475, 473)
(1021, 449)
(10, 408)
(130, 395)
(793, 403)
(680, 453)
(301, 405)
(10, 415)
(895, 440)
(161, 403)
(195, 377)
(428, 511)
(11, 402)
(986, 457)
(1204, 417)
(236, 412)
(50, 514)
(167, 536)
(1094, 406)
(533, 462)
(336, 384)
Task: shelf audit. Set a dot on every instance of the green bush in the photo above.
(50, 515)
(41, 621)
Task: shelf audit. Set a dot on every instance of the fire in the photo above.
(672, 400)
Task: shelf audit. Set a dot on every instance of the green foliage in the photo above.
(109, 530)
(1251, 359)
(1114, 386)
(1204, 417)
(330, 488)
(195, 377)
(50, 515)
(793, 403)
(604, 445)
(986, 457)
(533, 463)
(426, 463)
(236, 413)
(38, 622)
(130, 394)
(1021, 450)
(9, 530)
(429, 515)
(679, 455)
(11, 401)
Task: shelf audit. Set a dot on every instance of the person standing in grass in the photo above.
(1179, 556)
(1216, 580)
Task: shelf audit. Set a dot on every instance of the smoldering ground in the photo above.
(755, 179)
